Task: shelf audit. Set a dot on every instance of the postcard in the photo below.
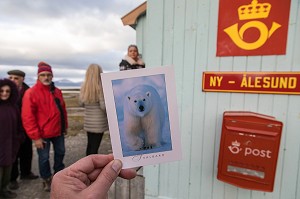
(142, 114)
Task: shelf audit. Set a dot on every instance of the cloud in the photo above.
(67, 34)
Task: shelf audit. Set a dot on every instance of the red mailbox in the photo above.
(249, 150)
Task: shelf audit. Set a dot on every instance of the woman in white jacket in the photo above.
(91, 97)
(132, 60)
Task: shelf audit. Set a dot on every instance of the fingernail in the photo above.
(117, 166)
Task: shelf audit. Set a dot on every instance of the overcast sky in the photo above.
(67, 34)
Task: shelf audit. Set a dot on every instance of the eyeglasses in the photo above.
(4, 91)
(45, 75)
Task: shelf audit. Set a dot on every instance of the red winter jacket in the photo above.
(40, 115)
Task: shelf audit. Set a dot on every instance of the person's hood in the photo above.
(14, 95)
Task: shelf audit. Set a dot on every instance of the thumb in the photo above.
(106, 178)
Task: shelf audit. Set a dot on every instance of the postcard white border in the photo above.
(150, 158)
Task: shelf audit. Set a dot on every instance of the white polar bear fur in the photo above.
(143, 118)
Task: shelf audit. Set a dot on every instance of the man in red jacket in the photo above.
(44, 118)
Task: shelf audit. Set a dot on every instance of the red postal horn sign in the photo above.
(252, 27)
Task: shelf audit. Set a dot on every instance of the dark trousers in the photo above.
(24, 159)
(94, 140)
(44, 155)
(5, 172)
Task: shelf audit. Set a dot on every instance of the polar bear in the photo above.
(144, 116)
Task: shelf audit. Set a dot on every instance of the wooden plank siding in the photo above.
(140, 38)
(153, 42)
(183, 33)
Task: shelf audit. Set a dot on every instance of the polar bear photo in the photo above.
(143, 122)
(144, 117)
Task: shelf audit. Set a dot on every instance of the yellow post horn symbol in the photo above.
(238, 35)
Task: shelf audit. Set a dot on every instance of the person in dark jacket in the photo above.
(10, 136)
(44, 118)
(24, 157)
(132, 60)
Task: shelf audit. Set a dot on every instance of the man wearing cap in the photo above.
(44, 117)
(24, 157)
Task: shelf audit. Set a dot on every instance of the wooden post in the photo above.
(131, 189)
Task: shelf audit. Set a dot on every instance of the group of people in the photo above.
(38, 114)
(35, 114)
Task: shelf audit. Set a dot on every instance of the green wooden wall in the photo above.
(184, 33)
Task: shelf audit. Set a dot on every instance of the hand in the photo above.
(89, 177)
(39, 144)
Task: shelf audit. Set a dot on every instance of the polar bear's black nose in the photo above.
(141, 108)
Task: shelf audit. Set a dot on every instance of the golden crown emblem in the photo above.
(254, 10)
(236, 143)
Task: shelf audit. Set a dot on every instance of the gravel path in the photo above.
(75, 149)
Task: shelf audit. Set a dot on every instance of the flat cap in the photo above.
(16, 72)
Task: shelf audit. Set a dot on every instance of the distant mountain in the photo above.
(30, 81)
(67, 83)
(59, 83)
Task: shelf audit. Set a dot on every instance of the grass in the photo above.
(71, 99)
(75, 116)
(75, 125)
